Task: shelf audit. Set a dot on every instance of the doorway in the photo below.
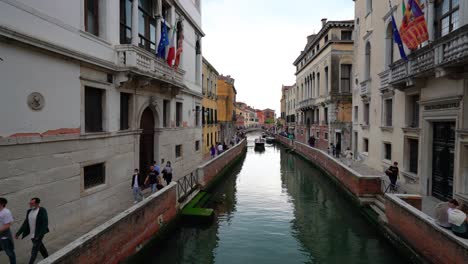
(146, 140)
(443, 149)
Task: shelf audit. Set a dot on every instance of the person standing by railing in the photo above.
(152, 179)
(137, 183)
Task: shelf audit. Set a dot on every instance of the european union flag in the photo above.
(163, 42)
(397, 38)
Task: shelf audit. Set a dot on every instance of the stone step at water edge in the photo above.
(380, 212)
(366, 200)
(381, 198)
(380, 205)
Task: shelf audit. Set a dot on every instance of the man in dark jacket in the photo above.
(36, 224)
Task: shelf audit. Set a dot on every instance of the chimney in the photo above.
(324, 21)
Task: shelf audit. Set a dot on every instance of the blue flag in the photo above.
(163, 43)
(397, 39)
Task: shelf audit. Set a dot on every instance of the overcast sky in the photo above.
(256, 41)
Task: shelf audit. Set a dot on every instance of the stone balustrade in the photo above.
(450, 51)
(134, 58)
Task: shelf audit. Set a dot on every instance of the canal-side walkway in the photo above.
(405, 218)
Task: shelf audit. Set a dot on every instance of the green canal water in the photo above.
(275, 207)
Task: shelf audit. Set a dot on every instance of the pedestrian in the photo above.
(349, 157)
(36, 223)
(6, 238)
(156, 167)
(338, 149)
(152, 179)
(213, 151)
(137, 183)
(167, 173)
(312, 141)
(332, 149)
(393, 173)
(220, 149)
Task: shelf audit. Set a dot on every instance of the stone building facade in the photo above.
(414, 112)
(323, 86)
(85, 101)
(211, 127)
(290, 98)
(227, 108)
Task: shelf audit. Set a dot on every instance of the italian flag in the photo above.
(172, 49)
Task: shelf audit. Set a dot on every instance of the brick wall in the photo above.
(434, 243)
(357, 184)
(212, 168)
(119, 237)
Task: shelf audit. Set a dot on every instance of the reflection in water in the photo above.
(275, 207)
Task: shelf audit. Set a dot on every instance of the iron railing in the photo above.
(186, 185)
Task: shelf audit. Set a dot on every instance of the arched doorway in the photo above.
(146, 140)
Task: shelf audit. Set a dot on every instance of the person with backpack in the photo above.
(167, 173)
(393, 173)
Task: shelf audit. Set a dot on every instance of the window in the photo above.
(166, 112)
(197, 145)
(369, 6)
(345, 78)
(365, 145)
(413, 155)
(216, 116)
(326, 39)
(346, 35)
(178, 151)
(211, 138)
(356, 109)
(326, 136)
(125, 21)
(387, 151)
(210, 121)
(94, 175)
(207, 140)
(93, 109)
(124, 111)
(203, 84)
(367, 65)
(146, 25)
(389, 44)
(366, 113)
(317, 134)
(203, 116)
(318, 84)
(92, 16)
(388, 111)
(325, 115)
(326, 80)
(447, 12)
(414, 111)
(197, 116)
(317, 115)
(178, 114)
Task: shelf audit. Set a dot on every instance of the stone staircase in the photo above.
(378, 205)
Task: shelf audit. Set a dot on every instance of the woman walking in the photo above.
(167, 173)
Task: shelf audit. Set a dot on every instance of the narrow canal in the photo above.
(275, 207)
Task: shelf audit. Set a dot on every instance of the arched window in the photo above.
(389, 45)
(367, 62)
(313, 84)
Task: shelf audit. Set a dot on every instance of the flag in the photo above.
(172, 49)
(180, 42)
(397, 38)
(413, 28)
(163, 42)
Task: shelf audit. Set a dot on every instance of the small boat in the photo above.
(264, 135)
(270, 140)
(259, 143)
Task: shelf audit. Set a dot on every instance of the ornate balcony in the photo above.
(445, 55)
(306, 104)
(142, 62)
(365, 88)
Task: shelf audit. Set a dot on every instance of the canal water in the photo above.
(275, 207)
